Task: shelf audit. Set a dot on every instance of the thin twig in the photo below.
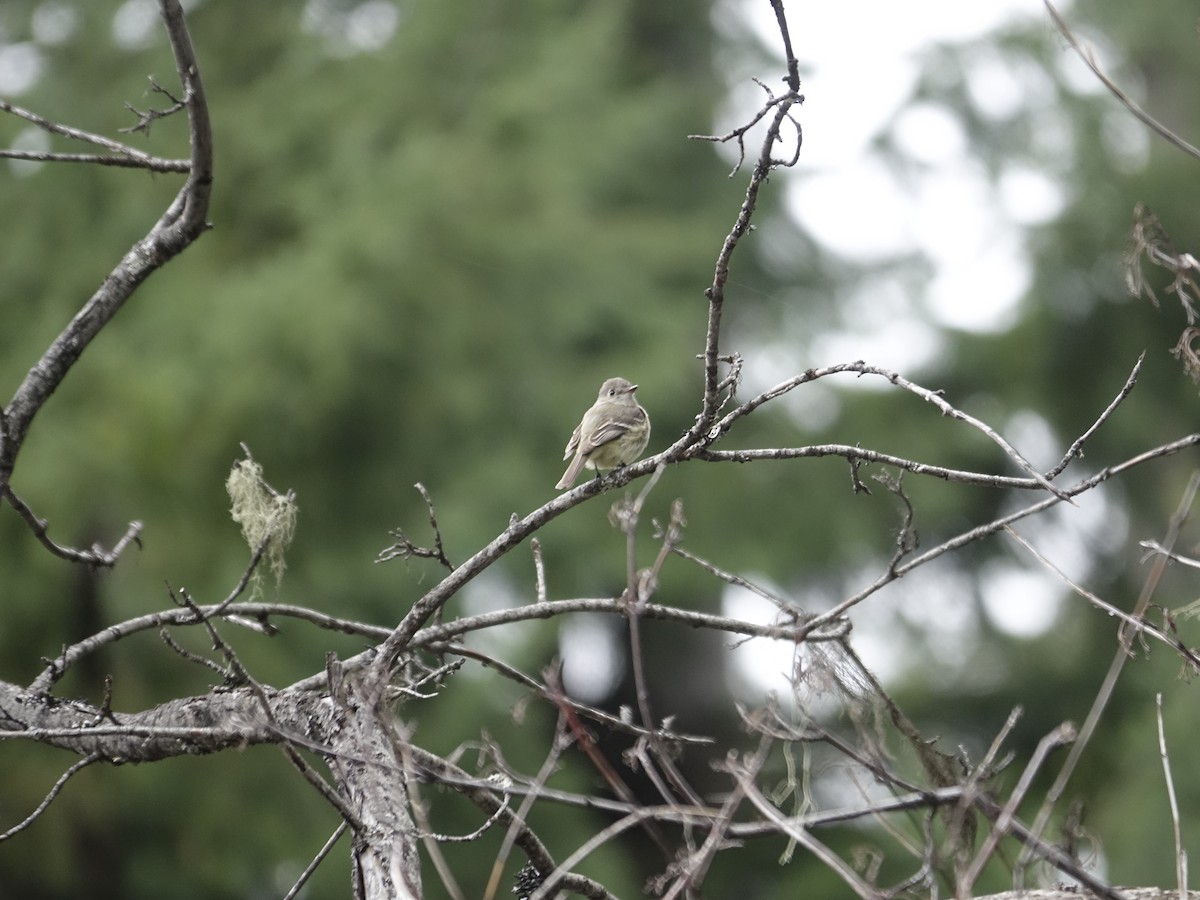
(1141, 625)
(183, 221)
(51, 794)
(316, 861)
(1089, 60)
(483, 795)
(1105, 691)
(929, 396)
(1063, 734)
(1156, 547)
(697, 866)
(996, 525)
(801, 836)
(561, 741)
(1181, 866)
(123, 154)
(781, 603)
(1076, 448)
(96, 556)
(539, 570)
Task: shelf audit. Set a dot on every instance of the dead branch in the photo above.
(181, 223)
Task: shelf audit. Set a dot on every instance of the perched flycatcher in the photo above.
(613, 432)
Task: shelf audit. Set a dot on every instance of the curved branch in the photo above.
(929, 396)
(247, 613)
(50, 795)
(182, 222)
(1089, 60)
(96, 556)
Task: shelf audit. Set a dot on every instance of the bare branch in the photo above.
(96, 556)
(120, 155)
(1076, 448)
(50, 795)
(860, 368)
(559, 744)
(316, 861)
(483, 795)
(1105, 691)
(1181, 865)
(983, 531)
(1139, 624)
(1064, 734)
(406, 549)
(182, 222)
(1089, 60)
(801, 836)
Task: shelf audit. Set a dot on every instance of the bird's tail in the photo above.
(572, 472)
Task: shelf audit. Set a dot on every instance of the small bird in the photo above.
(613, 432)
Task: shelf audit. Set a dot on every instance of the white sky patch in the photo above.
(31, 139)
(1126, 139)
(980, 266)
(1034, 439)
(762, 665)
(858, 214)
(856, 80)
(136, 25)
(20, 67)
(491, 592)
(997, 89)
(361, 28)
(54, 22)
(901, 342)
(1029, 196)
(593, 657)
(1020, 602)
(937, 603)
(979, 289)
(930, 134)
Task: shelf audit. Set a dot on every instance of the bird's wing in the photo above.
(609, 431)
(573, 443)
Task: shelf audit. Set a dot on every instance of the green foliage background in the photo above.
(424, 260)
